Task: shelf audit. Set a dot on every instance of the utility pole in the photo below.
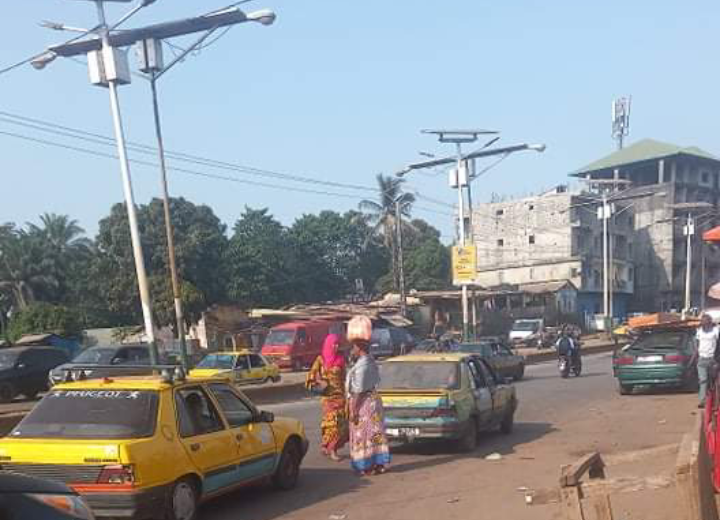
(689, 231)
(176, 290)
(605, 212)
(401, 262)
(703, 281)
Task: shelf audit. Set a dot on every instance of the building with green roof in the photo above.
(671, 176)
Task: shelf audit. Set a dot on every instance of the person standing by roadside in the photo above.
(327, 378)
(369, 448)
(707, 339)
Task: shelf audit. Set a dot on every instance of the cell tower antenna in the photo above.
(621, 120)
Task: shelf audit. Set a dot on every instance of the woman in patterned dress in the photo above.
(369, 448)
(328, 371)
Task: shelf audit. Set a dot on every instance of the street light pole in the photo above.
(145, 298)
(176, 289)
(689, 232)
(606, 300)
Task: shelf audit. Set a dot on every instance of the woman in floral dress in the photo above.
(369, 448)
(328, 373)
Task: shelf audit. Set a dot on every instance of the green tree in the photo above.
(200, 244)
(65, 251)
(42, 318)
(335, 250)
(382, 214)
(260, 261)
(26, 269)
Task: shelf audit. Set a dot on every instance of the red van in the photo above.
(296, 344)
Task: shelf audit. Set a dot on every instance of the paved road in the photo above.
(418, 482)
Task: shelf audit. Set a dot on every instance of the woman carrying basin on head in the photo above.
(327, 378)
(369, 448)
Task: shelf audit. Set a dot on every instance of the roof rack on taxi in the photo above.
(169, 373)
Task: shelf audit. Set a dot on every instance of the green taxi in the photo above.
(659, 358)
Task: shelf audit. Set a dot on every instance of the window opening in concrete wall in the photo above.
(500, 242)
(531, 239)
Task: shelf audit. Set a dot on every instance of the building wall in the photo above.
(554, 236)
(659, 251)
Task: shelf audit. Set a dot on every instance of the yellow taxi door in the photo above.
(253, 441)
(243, 373)
(205, 438)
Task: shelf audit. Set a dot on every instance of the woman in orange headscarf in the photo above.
(327, 376)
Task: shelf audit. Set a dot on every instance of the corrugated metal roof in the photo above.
(645, 150)
(545, 287)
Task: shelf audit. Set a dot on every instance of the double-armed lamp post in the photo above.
(460, 179)
(109, 67)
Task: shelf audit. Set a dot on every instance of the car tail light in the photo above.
(116, 475)
(676, 358)
(625, 360)
(444, 411)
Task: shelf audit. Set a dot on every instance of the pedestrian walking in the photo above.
(707, 339)
(369, 448)
(327, 378)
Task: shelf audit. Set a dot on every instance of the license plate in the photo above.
(403, 432)
(649, 359)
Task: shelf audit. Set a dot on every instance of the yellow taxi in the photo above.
(241, 368)
(147, 447)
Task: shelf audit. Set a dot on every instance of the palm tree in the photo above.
(62, 235)
(382, 214)
(24, 266)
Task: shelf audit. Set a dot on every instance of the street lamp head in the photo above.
(264, 16)
(43, 60)
(540, 148)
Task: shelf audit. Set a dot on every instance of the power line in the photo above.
(145, 149)
(87, 151)
(75, 133)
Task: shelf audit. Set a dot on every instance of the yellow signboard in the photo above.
(464, 263)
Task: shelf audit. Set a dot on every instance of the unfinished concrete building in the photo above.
(669, 175)
(554, 237)
(558, 236)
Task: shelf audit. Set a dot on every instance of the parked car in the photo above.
(147, 447)
(24, 498)
(527, 332)
(241, 368)
(24, 370)
(663, 358)
(134, 357)
(506, 363)
(391, 341)
(445, 396)
(296, 344)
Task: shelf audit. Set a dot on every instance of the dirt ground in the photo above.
(559, 421)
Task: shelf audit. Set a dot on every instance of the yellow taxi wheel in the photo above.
(288, 470)
(183, 501)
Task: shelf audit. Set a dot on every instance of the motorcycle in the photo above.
(569, 364)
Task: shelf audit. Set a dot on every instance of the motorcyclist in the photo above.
(566, 345)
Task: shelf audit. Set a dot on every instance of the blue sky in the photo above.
(339, 90)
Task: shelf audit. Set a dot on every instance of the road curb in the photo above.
(539, 357)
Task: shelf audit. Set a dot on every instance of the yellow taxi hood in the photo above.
(59, 451)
